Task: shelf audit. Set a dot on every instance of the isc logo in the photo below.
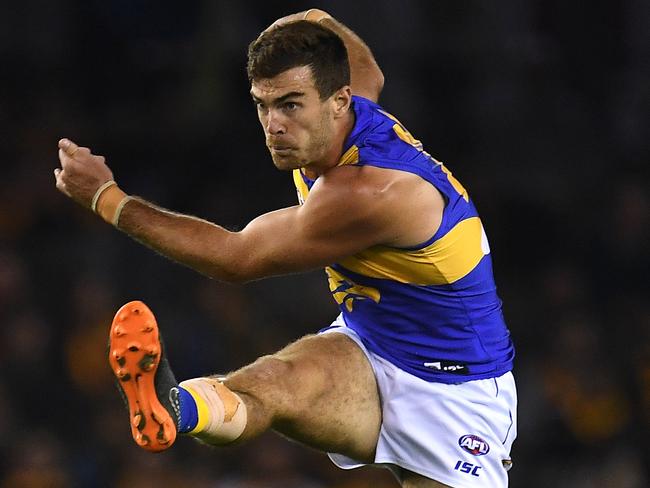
(474, 445)
(468, 468)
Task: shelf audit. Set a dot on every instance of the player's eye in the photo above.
(290, 106)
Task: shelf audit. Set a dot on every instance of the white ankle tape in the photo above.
(226, 412)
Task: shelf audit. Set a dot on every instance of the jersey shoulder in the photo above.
(378, 136)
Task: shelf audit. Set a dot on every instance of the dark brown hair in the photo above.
(301, 43)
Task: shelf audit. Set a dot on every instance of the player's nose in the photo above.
(274, 124)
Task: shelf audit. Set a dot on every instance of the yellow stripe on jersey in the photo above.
(446, 260)
(454, 182)
(301, 186)
(351, 156)
(407, 137)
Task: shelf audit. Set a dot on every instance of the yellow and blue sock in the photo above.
(209, 411)
(188, 414)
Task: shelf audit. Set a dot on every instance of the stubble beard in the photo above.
(315, 151)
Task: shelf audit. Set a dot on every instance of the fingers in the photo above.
(72, 150)
(73, 157)
(81, 172)
(60, 185)
(65, 159)
(68, 146)
(69, 155)
(316, 15)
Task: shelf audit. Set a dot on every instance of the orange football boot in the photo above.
(144, 377)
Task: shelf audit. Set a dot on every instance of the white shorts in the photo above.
(459, 435)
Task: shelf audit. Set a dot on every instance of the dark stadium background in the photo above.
(540, 108)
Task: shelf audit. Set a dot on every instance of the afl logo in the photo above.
(474, 445)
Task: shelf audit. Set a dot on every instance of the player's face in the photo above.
(298, 126)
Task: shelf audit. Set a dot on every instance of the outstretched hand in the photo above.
(81, 172)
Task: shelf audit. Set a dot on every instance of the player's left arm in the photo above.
(366, 77)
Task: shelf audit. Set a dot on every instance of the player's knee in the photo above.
(270, 371)
(263, 379)
(297, 380)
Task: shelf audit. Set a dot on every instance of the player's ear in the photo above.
(341, 100)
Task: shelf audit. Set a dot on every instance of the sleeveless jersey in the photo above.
(432, 310)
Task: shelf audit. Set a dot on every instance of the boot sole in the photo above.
(134, 355)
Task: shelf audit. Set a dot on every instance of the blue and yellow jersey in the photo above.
(432, 309)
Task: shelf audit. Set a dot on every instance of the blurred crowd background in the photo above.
(541, 109)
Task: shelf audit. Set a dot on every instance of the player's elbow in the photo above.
(242, 276)
(379, 81)
(235, 273)
(253, 268)
(376, 78)
(232, 277)
(368, 82)
(241, 268)
(243, 258)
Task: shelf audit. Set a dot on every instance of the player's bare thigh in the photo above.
(319, 390)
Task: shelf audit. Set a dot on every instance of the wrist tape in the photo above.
(109, 201)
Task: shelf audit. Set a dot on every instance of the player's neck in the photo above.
(334, 151)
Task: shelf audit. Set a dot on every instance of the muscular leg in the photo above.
(320, 391)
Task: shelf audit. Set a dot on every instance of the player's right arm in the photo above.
(349, 209)
(280, 242)
(366, 77)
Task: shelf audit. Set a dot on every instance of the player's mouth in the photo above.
(281, 150)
